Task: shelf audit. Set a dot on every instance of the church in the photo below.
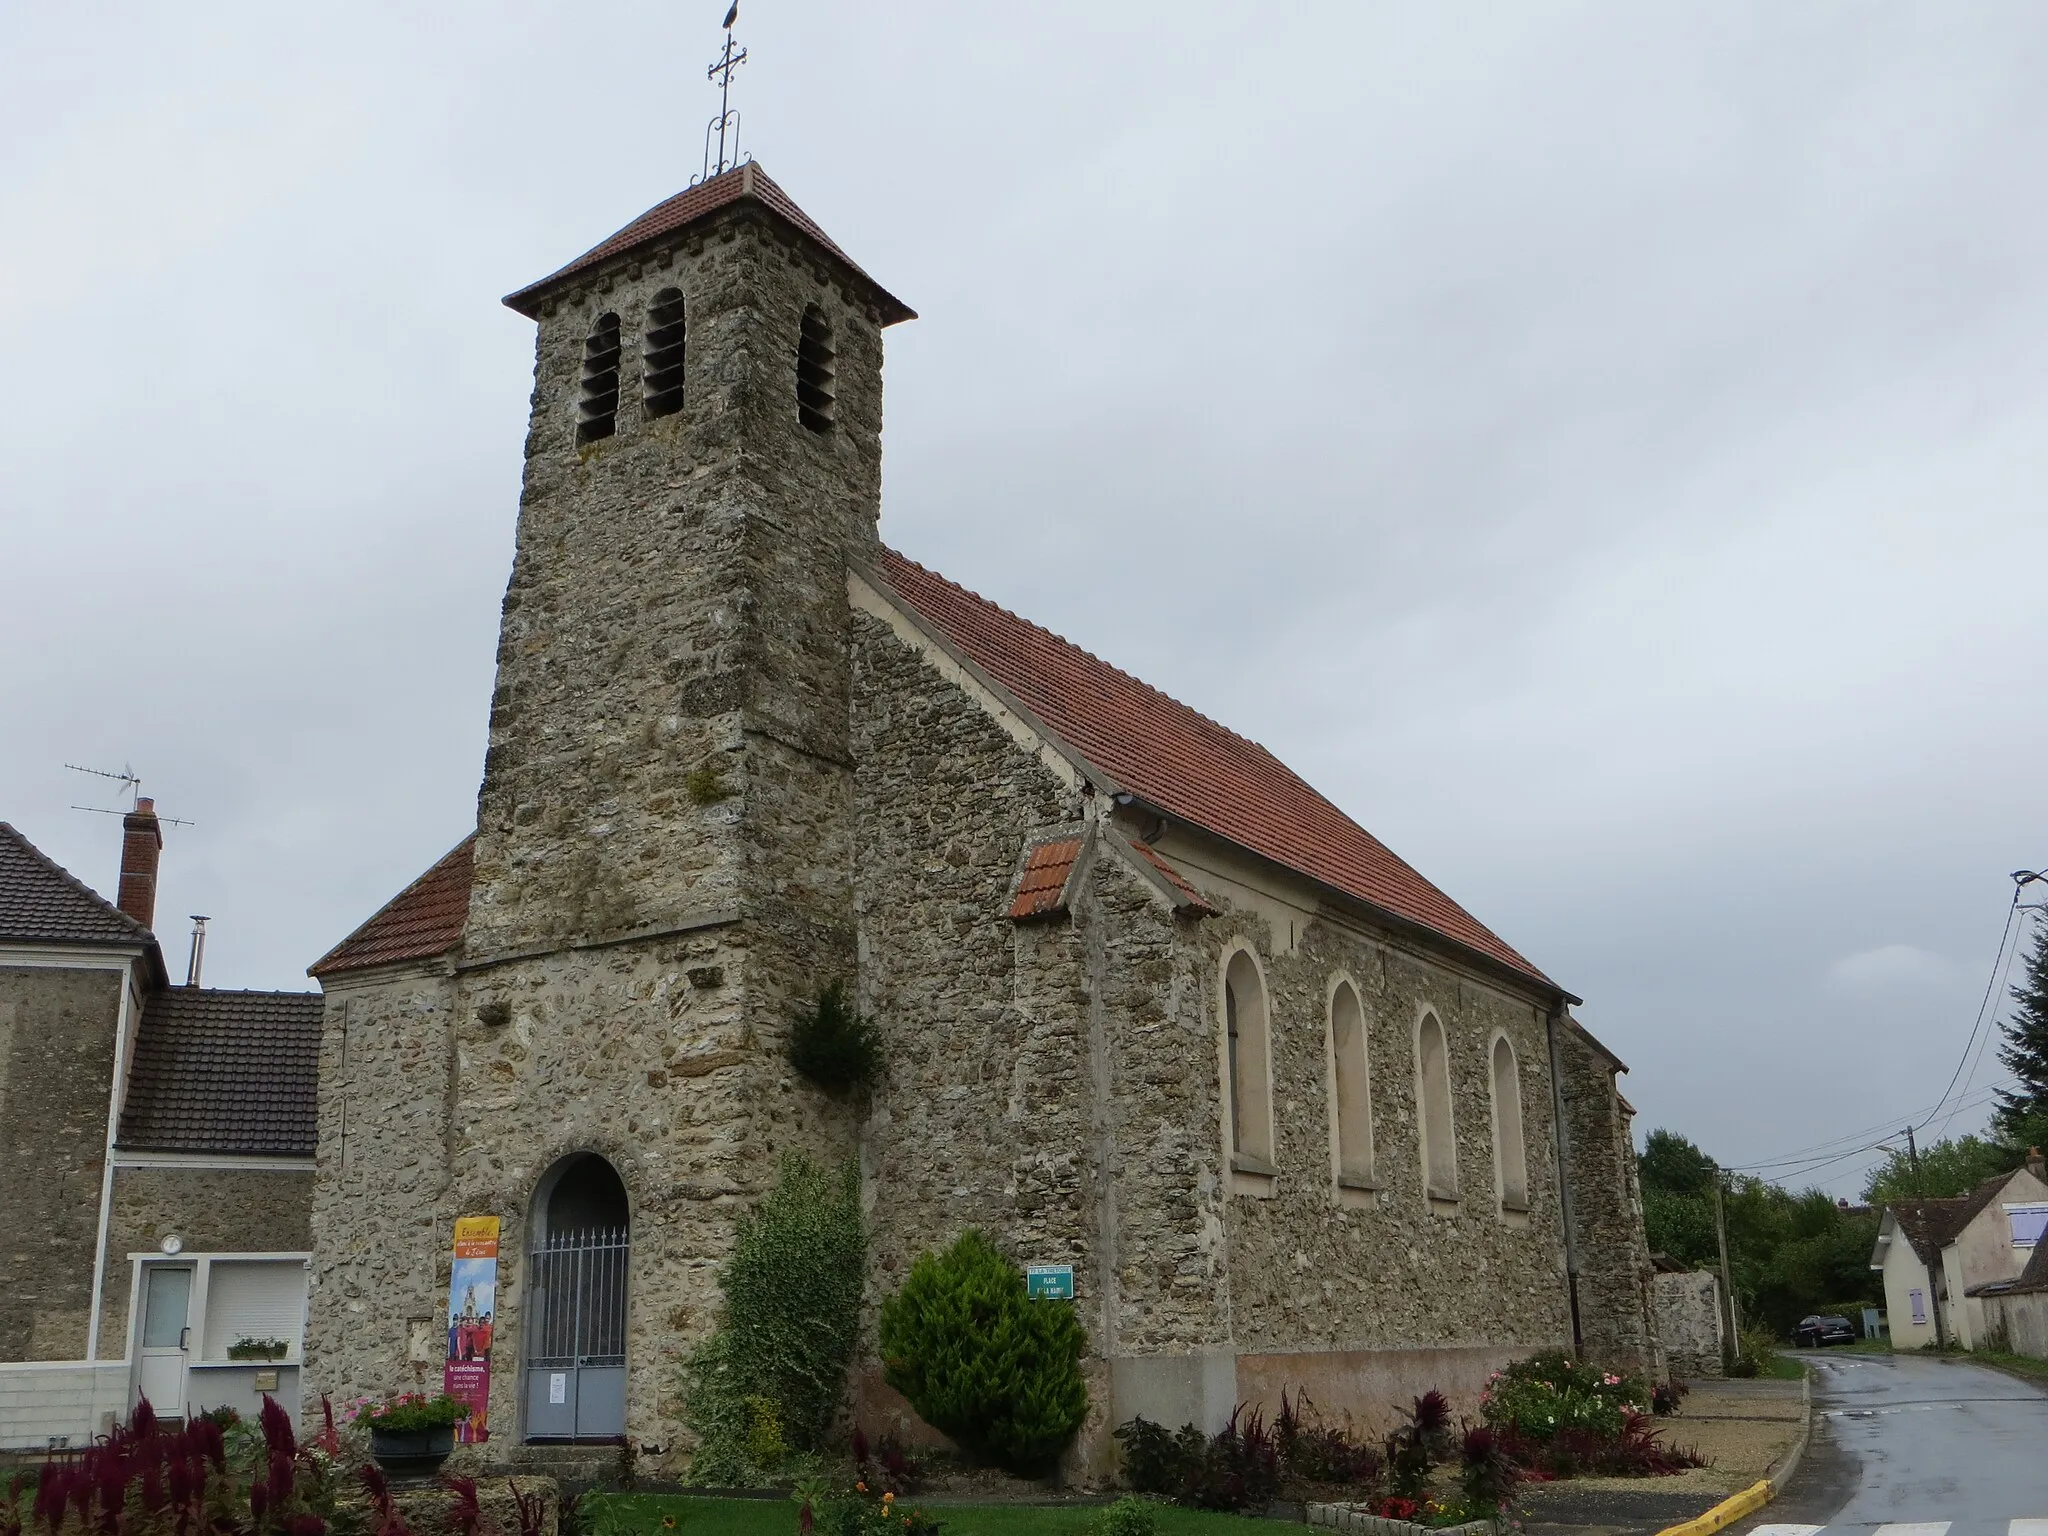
(1153, 1010)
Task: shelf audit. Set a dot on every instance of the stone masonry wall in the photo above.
(1057, 1084)
(380, 1216)
(1368, 1296)
(1617, 1315)
(213, 1210)
(983, 1117)
(57, 1029)
(1689, 1321)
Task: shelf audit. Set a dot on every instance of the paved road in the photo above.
(1908, 1446)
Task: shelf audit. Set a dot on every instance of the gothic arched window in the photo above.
(1350, 1088)
(597, 409)
(1247, 1041)
(1433, 1100)
(1510, 1157)
(661, 372)
(814, 371)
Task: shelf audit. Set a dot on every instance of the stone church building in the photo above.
(1153, 1008)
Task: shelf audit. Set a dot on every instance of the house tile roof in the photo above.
(227, 1072)
(1184, 763)
(1931, 1225)
(1041, 891)
(686, 207)
(421, 921)
(43, 903)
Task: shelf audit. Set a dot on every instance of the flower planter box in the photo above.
(417, 1454)
(1358, 1520)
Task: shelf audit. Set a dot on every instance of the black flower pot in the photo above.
(416, 1453)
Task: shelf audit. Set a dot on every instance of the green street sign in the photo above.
(1050, 1282)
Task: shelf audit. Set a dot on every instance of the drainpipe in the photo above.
(1564, 1179)
(114, 1097)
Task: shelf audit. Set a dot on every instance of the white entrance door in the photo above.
(166, 1332)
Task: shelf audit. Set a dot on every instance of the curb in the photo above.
(1758, 1494)
(1790, 1464)
(1725, 1513)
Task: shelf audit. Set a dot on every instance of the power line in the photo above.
(2003, 985)
(1998, 968)
(1836, 1146)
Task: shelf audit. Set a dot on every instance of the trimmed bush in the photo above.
(1552, 1392)
(981, 1361)
(771, 1376)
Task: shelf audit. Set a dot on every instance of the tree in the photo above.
(1947, 1168)
(2022, 1114)
(1674, 1166)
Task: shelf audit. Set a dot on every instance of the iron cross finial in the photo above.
(727, 123)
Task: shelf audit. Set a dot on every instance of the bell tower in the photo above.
(663, 863)
(703, 455)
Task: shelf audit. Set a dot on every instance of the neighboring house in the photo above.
(1152, 1007)
(158, 1144)
(1938, 1256)
(2016, 1311)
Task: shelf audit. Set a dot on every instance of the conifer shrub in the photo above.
(769, 1380)
(981, 1361)
(834, 1044)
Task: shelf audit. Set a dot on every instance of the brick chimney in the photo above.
(142, 841)
(2036, 1165)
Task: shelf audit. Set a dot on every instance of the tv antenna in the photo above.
(728, 120)
(131, 786)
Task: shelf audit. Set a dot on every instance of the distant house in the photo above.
(157, 1143)
(1939, 1257)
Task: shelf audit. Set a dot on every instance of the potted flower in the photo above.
(246, 1348)
(411, 1434)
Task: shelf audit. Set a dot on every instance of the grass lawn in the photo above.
(1998, 1359)
(1784, 1368)
(777, 1517)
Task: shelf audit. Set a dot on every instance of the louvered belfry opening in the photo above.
(814, 358)
(662, 378)
(597, 412)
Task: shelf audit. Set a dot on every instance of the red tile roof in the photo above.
(1044, 882)
(701, 201)
(1173, 876)
(421, 921)
(1183, 763)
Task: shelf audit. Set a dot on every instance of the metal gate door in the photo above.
(576, 1337)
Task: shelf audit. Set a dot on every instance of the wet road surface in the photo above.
(1912, 1446)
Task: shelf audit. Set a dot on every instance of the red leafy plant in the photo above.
(144, 1480)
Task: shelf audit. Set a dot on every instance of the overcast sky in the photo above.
(1601, 447)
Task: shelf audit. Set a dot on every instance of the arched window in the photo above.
(814, 372)
(1248, 1055)
(1510, 1159)
(1433, 1099)
(597, 411)
(1351, 1088)
(661, 372)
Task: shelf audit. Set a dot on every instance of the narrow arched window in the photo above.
(661, 372)
(1433, 1099)
(814, 371)
(1351, 1088)
(1249, 1076)
(597, 410)
(1509, 1155)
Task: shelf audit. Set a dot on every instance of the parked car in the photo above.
(1819, 1332)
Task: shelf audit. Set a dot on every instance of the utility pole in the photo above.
(1728, 1340)
(1913, 1157)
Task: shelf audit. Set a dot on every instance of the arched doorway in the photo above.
(578, 1242)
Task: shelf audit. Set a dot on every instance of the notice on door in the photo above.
(558, 1386)
(472, 1315)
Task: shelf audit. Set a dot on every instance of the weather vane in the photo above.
(727, 123)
